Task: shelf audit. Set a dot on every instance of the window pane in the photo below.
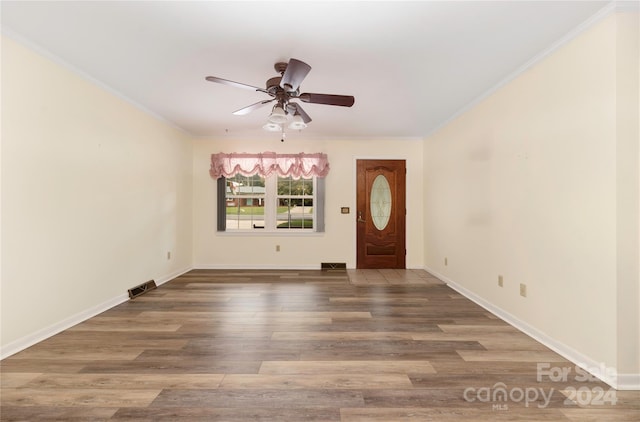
(245, 185)
(295, 213)
(284, 185)
(289, 186)
(295, 203)
(245, 202)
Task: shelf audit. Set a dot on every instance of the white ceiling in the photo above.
(410, 65)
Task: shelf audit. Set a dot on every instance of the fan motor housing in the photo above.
(273, 83)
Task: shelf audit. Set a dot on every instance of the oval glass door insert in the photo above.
(380, 202)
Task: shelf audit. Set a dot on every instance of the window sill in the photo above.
(262, 233)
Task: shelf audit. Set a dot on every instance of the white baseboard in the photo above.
(597, 369)
(628, 382)
(270, 267)
(44, 333)
(254, 267)
(163, 279)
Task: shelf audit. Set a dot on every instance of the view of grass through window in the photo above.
(295, 198)
(249, 197)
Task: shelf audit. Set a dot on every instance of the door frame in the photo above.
(355, 188)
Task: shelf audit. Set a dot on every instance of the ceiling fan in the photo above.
(283, 89)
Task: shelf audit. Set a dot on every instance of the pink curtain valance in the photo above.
(266, 163)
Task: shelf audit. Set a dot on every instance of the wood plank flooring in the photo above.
(366, 345)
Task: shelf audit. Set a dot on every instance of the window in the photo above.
(270, 192)
(274, 203)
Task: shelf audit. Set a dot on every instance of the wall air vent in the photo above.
(142, 288)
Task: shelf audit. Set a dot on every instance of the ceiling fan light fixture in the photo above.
(283, 89)
(272, 127)
(278, 115)
(297, 123)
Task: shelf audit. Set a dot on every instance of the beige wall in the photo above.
(337, 244)
(95, 193)
(527, 185)
(628, 185)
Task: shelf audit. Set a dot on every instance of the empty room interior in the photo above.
(320, 211)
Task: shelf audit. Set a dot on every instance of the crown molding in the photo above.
(38, 49)
(591, 21)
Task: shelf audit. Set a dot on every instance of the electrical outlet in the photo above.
(277, 248)
(500, 281)
(446, 261)
(523, 290)
(168, 254)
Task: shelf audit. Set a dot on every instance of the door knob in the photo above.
(360, 219)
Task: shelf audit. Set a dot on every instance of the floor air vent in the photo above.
(333, 265)
(142, 288)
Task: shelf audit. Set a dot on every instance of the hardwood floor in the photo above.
(366, 345)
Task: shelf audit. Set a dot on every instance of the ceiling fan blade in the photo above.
(337, 100)
(296, 71)
(236, 84)
(295, 107)
(249, 109)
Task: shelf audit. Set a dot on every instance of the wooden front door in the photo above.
(381, 213)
